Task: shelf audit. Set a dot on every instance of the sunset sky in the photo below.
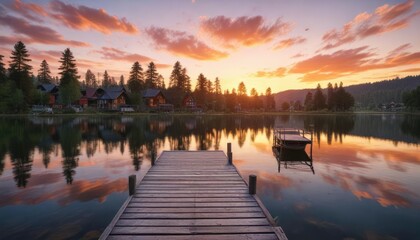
(282, 44)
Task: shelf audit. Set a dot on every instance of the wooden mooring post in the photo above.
(132, 184)
(229, 153)
(252, 184)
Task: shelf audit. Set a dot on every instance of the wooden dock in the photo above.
(193, 195)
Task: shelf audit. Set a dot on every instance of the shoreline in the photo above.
(208, 114)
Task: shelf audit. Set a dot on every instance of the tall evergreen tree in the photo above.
(3, 76)
(122, 82)
(44, 73)
(319, 98)
(309, 103)
(330, 97)
(69, 84)
(136, 81)
(270, 102)
(160, 82)
(241, 89)
(176, 78)
(106, 81)
(217, 86)
(151, 76)
(186, 85)
(20, 71)
(90, 79)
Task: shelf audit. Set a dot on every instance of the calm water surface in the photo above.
(65, 178)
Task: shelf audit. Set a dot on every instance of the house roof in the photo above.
(151, 92)
(47, 87)
(90, 93)
(112, 93)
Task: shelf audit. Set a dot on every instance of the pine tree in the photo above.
(136, 81)
(122, 82)
(160, 82)
(270, 102)
(319, 98)
(3, 76)
(254, 92)
(106, 82)
(308, 102)
(217, 87)
(330, 97)
(68, 68)
(44, 73)
(20, 71)
(175, 80)
(186, 85)
(90, 79)
(69, 84)
(241, 89)
(151, 76)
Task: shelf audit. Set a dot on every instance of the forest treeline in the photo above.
(19, 85)
(366, 95)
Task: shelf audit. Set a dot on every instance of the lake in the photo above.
(66, 177)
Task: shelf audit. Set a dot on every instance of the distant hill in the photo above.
(366, 94)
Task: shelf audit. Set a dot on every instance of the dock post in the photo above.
(153, 157)
(252, 184)
(230, 158)
(132, 184)
(312, 142)
(229, 147)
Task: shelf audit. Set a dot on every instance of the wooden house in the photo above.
(51, 90)
(189, 102)
(153, 98)
(111, 98)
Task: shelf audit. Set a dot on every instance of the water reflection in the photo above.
(293, 159)
(367, 167)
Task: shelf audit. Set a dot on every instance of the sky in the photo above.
(278, 44)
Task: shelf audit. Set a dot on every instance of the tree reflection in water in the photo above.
(143, 136)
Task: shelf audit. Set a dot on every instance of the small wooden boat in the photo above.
(290, 138)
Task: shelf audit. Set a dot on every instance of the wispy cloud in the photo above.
(183, 44)
(85, 18)
(279, 72)
(345, 62)
(31, 11)
(116, 54)
(246, 31)
(35, 33)
(286, 43)
(386, 18)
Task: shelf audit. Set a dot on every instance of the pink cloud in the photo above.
(35, 33)
(385, 19)
(30, 11)
(244, 30)
(183, 44)
(345, 62)
(84, 18)
(116, 54)
(279, 72)
(289, 43)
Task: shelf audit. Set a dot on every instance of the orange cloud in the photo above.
(244, 30)
(83, 18)
(289, 43)
(116, 54)
(183, 44)
(30, 11)
(344, 62)
(279, 72)
(385, 19)
(35, 33)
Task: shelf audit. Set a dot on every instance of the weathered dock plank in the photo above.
(192, 195)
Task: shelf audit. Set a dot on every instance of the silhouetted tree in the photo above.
(412, 99)
(90, 79)
(69, 84)
(319, 98)
(330, 97)
(20, 71)
(106, 81)
(44, 73)
(3, 76)
(151, 76)
(285, 106)
(135, 82)
(121, 82)
(309, 103)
